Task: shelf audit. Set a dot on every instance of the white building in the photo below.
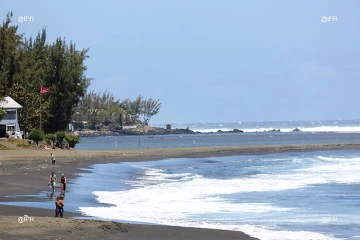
(9, 123)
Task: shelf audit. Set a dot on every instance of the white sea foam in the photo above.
(337, 170)
(157, 215)
(350, 129)
(173, 199)
(265, 233)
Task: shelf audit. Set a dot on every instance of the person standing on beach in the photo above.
(52, 159)
(59, 208)
(63, 182)
(62, 196)
(56, 207)
(52, 181)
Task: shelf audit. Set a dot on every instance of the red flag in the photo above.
(44, 90)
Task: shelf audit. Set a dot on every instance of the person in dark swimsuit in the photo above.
(63, 182)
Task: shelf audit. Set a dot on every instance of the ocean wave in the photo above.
(257, 231)
(175, 198)
(352, 129)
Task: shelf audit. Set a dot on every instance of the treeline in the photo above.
(101, 109)
(28, 63)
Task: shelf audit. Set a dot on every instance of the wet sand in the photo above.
(27, 172)
(57, 228)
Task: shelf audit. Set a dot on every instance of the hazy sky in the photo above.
(214, 61)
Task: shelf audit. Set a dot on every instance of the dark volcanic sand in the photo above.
(27, 172)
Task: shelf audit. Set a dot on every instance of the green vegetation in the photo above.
(51, 138)
(28, 63)
(36, 135)
(14, 140)
(24, 145)
(29, 115)
(72, 140)
(2, 147)
(2, 113)
(60, 138)
(101, 109)
(150, 108)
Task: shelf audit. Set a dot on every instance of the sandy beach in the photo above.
(27, 171)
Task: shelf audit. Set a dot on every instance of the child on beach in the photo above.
(52, 159)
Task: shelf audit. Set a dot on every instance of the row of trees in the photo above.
(102, 109)
(27, 63)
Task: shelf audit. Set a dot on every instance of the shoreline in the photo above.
(26, 172)
(141, 154)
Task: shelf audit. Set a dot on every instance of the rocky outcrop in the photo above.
(145, 130)
(296, 130)
(221, 131)
(237, 130)
(273, 130)
(153, 131)
(141, 130)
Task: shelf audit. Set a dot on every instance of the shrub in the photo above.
(36, 135)
(51, 138)
(72, 140)
(2, 147)
(60, 137)
(15, 140)
(24, 145)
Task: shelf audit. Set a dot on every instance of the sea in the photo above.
(255, 133)
(278, 196)
(284, 126)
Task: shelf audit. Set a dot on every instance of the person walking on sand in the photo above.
(52, 181)
(63, 182)
(53, 162)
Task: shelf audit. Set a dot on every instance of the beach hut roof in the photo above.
(8, 102)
